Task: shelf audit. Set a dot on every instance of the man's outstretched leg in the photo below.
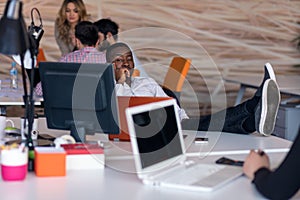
(256, 114)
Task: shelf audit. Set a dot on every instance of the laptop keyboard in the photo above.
(190, 174)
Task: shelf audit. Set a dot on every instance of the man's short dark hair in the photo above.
(110, 53)
(87, 33)
(107, 25)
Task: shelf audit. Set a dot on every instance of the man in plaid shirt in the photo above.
(86, 41)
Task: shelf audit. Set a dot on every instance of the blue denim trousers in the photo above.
(231, 120)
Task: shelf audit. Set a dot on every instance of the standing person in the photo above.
(70, 13)
(283, 182)
(256, 114)
(86, 40)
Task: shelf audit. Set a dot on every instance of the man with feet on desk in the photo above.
(256, 114)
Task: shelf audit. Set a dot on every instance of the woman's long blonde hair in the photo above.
(61, 21)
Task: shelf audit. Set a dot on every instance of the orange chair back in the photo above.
(176, 74)
(136, 73)
(41, 56)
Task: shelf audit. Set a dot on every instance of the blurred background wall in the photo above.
(223, 38)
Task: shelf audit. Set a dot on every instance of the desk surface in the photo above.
(118, 180)
(286, 84)
(220, 143)
(109, 183)
(13, 97)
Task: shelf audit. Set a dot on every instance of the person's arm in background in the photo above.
(38, 89)
(281, 183)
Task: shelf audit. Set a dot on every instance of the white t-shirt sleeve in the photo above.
(141, 86)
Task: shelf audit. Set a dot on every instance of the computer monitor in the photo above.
(80, 97)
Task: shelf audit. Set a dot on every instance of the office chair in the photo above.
(41, 56)
(175, 76)
(136, 73)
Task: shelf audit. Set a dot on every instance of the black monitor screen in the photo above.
(80, 97)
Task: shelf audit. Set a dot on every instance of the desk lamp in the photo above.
(14, 39)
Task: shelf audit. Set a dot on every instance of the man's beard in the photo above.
(104, 45)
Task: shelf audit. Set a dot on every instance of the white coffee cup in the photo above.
(3, 124)
(35, 128)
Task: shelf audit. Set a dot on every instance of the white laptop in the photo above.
(159, 152)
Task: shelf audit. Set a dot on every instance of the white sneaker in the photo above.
(267, 108)
(269, 72)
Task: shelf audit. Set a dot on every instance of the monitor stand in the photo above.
(78, 133)
(79, 130)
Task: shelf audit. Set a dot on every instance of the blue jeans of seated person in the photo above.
(231, 120)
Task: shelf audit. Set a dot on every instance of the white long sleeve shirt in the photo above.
(142, 86)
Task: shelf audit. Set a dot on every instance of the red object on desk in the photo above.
(84, 156)
(81, 148)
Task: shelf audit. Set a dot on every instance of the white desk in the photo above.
(12, 97)
(287, 85)
(220, 143)
(112, 184)
(118, 180)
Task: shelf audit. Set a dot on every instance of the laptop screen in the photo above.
(157, 135)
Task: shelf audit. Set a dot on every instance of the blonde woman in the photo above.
(70, 13)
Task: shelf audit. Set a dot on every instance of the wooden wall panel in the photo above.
(222, 37)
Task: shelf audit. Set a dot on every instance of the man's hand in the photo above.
(122, 74)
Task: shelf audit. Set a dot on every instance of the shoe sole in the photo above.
(269, 107)
(270, 71)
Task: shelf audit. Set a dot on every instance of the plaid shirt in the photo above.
(84, 55)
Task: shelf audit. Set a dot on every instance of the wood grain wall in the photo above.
(222, 37)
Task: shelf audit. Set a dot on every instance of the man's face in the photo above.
(122, 61)
(122, 58)
(105, 41)
(104, 44)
